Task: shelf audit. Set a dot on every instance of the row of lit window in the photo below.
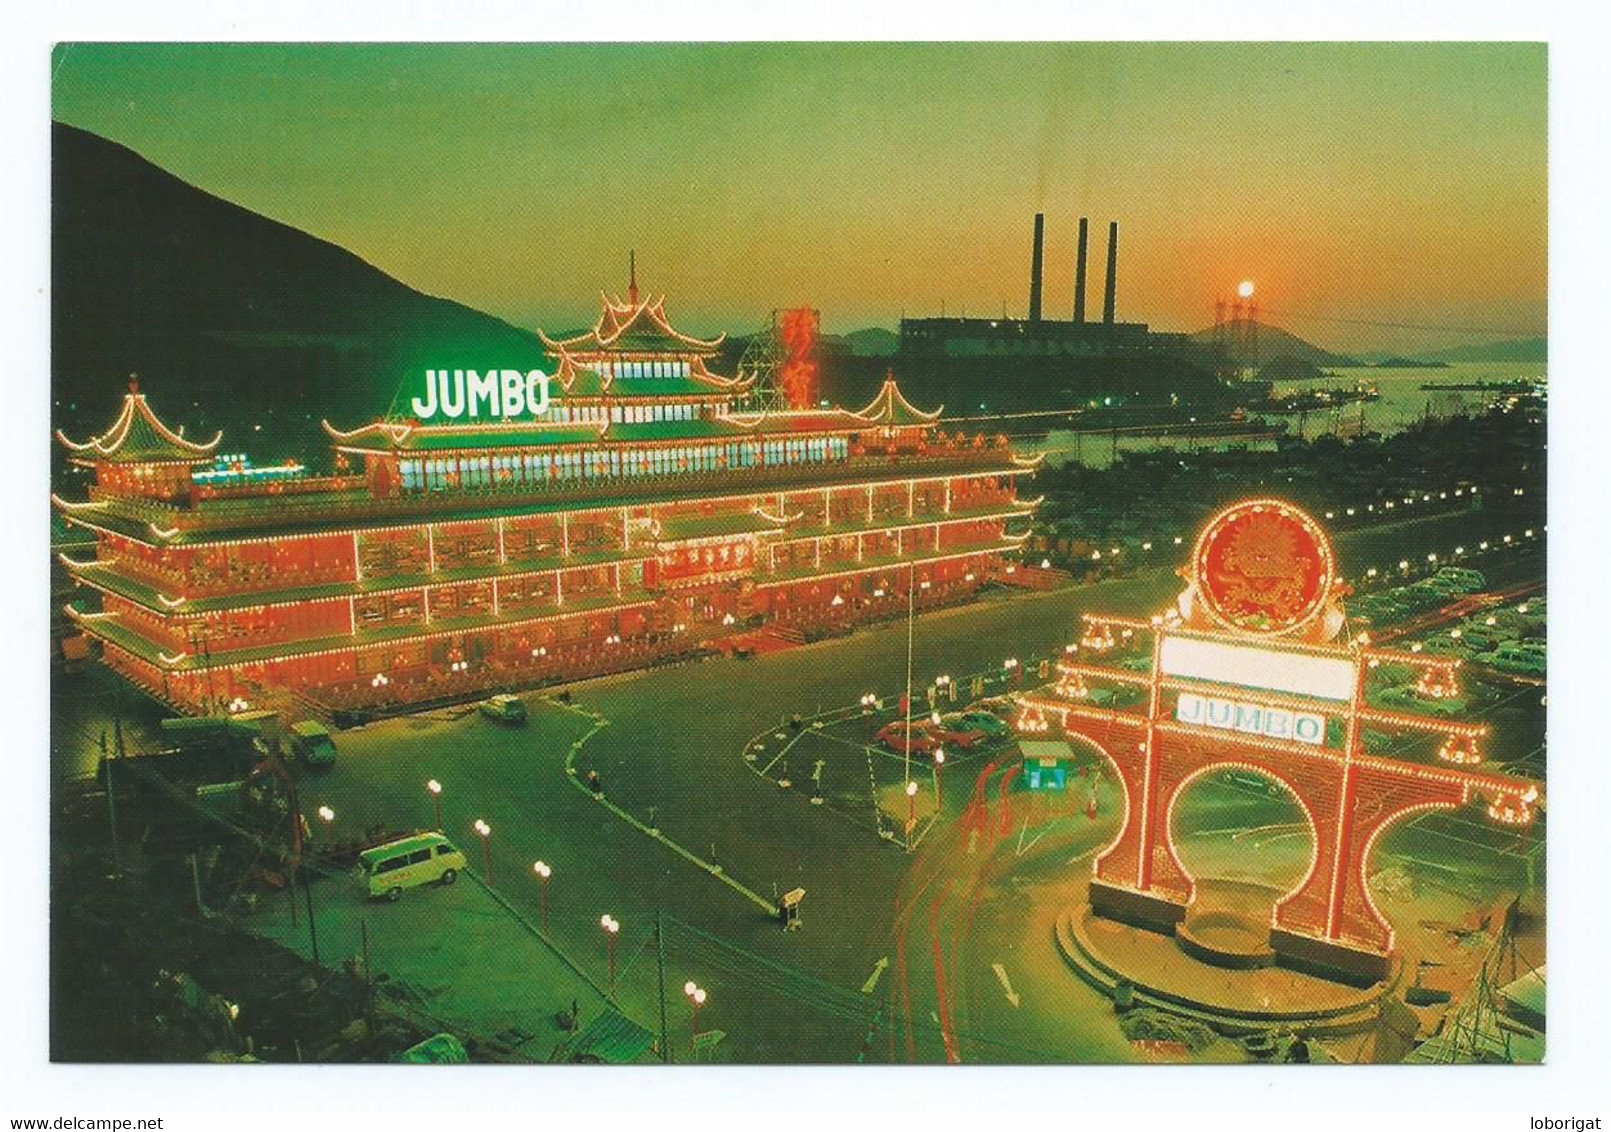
(487, 470)
(621, 414)
(630, 370)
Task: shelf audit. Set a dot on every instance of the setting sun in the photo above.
(1245, 288)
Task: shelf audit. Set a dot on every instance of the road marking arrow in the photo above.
(1022, 848)
(1001, 973)
(872, 980)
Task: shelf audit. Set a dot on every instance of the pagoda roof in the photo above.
(406, 436)
(280, 516)
(389, 436)
(634, 328)
(583, 381)
(891, 407)
(109, 627)
(685, 528)
(888, 409)
(137, 436)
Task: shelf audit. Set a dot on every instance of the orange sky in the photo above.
(1355, 183)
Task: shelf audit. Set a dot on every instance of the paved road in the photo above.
(673, 747)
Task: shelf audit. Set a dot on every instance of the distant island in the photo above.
(1411, 363)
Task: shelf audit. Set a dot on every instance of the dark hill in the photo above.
(232, 320)
(1271, 342)
(873, 342)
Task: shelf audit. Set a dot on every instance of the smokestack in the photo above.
(1035, 268)
(1079, 274)
(1113, 267)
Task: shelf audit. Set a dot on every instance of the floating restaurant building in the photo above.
(640, 517)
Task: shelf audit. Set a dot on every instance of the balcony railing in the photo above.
(352, 504)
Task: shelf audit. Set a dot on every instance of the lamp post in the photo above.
(543, 872)
(612, 928)
(328, 816)
(939, 765)
(435, 789)
(911, 810)
(868, 703)
(696, 999)
(485, 831)
(326, 813)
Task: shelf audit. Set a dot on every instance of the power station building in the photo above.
(1037, 336)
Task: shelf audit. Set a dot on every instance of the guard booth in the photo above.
(789, 908)
(1047, 764)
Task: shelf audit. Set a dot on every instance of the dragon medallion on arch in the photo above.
(1264, 566)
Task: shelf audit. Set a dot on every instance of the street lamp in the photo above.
(911, 805)
(612, 928)
(328, 815)
(939, 765)
(435, 789)
(543, 872)
(696, 999)
(485, 831)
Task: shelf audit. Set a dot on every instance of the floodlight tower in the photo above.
(763, 358)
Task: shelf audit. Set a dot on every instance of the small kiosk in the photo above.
(1047, 763)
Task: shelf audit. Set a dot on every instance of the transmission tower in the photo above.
(764, 357)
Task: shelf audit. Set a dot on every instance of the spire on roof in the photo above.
(632, 272)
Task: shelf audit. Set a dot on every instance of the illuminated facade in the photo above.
(1253, 669)
(641, 516)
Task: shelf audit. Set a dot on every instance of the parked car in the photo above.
(505, 709)
(313, 744)
(960, 736)
(894, 736)
(1002, 707)
(1522, 658)
(991, 724)
(408, 862)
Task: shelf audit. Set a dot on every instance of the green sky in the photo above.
(1376, 183)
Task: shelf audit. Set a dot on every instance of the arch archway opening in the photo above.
(1245, 842)
(1241, 825)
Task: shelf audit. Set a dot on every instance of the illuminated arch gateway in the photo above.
(1252, 668)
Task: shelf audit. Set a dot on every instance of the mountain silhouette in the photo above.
(1270, 343)
(232, 320)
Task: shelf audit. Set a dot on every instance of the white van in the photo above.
(421, 858)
